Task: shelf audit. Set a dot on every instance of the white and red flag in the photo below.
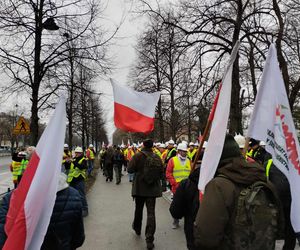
(134, 111)
(219, 116)
(31, 204)
(272, 122)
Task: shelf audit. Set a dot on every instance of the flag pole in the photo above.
(207, 128)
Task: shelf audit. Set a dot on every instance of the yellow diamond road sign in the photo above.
(22, 127)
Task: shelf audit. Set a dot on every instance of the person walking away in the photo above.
(65, 230)
(102, 158)
(178, 169)
(90, 155)
(108, 169)
(118, 160)
(77, 176)
(239, 209)
(17, 166)
(146, 187)
(185, 204)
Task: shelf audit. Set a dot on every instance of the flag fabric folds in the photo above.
(217, 135)
(134, 111)
(272, 122)
(32, 202)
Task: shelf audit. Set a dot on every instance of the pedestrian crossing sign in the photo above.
(22, 127)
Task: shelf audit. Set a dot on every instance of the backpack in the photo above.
(152, 168)
(257, 219)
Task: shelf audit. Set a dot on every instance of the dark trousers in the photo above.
(118, 172)
(138, 216)
(80, 187)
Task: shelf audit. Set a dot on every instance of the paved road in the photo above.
(5, 174)
(108, 227)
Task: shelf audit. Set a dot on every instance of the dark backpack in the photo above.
(152, 169)
(257, 219)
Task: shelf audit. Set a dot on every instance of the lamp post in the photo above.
(38, 74)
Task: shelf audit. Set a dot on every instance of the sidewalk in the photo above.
(108, 226)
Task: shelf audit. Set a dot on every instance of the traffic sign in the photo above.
(22, 127)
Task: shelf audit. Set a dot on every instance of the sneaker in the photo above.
(150, 245)
(137, 232)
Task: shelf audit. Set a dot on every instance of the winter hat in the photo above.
(253, 142)
(230, 148)
(148, 143)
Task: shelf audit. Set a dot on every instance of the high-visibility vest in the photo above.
(190, 154)
(130, 154)
(76, 172)
(65, 156)
(92, 155)
(181, 172)
(164, 155)
(23, 167)
(170, 153)
(16, 165)
(125, 153)
(268, 167)
(156, 151)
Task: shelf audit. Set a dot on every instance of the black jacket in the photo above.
(66, 223)
(186, 203)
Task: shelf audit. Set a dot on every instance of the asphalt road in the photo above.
(5, 174)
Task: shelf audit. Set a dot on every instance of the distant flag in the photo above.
(134, 111)
(219, 116)
(31, 204)
(272, 122)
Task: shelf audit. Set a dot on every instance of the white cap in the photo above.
(66, 146)
(157, 144)
(262, 143)
(167, 144)
(204, 144)
(196, 144)
(182, 147)
(191, 144)
(91, 146)
(241, 141)
(22, 153)
(162, 145)
(171, 142)
(78, 150)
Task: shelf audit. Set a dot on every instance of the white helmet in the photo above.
(157, 144)
(196, 144)
(171, 142)
(66, 146)
(162, 145)
(182, 147)
(241, 141)
(78, 150)
(91, 146)
(262, 143)
(191, 144)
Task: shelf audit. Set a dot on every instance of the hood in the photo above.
(194, 175)
(240, 171)
(62, 182)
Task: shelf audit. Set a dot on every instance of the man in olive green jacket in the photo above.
(144, 192)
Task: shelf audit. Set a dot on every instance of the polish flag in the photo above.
(31, 204)
(273, 123)
(134, 111)
(219, 116)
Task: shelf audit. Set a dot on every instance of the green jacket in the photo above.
(139, 186)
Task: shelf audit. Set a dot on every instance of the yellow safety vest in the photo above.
(23, 166)
(76, 172)
(170, 152)
(190, 154)
(269, 164)
(181, 172)
(92, 155)
(156, 151)
(16, 165)
(65, 156)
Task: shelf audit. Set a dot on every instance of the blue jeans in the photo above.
(80, 187)
(90, 167)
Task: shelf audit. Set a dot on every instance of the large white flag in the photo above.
(272, 122)
(217, 135)
(31, 204)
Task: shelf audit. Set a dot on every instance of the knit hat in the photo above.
(148, 143)
(230, 148)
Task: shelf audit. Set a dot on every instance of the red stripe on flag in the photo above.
(15, 220)
(213, 109)
(130, 120)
